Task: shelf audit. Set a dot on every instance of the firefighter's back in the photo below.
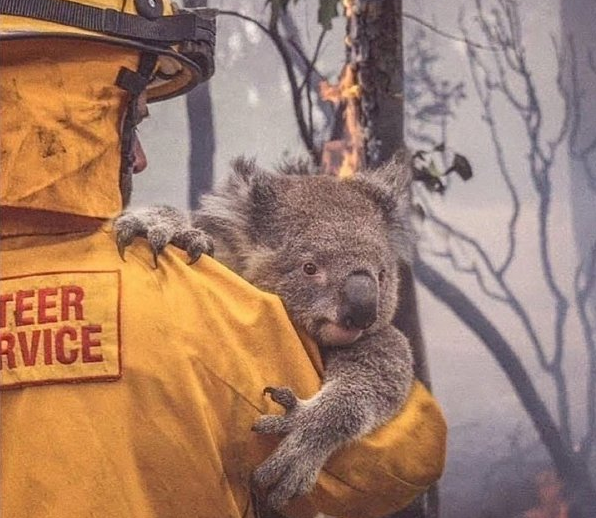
(126, 388)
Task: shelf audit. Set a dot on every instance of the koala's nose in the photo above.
(358, 308)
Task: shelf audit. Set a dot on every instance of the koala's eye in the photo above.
(309, 268)
(381, 275)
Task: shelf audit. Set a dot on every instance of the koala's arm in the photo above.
(381, 472)
(365, 385)
(385, 470)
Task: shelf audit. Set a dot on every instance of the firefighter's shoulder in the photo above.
(239, 333)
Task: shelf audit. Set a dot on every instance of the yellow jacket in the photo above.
(128, 391)
(143, 406)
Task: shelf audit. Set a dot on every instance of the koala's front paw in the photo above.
(195, 242)
(279, 424)
(161, 226)
(286, 474)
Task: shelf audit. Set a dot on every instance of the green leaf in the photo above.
(327, 11)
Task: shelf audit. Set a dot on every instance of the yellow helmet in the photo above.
(183, 40)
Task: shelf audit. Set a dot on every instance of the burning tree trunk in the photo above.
(368, 132)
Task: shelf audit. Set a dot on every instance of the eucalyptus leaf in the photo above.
(327, 11)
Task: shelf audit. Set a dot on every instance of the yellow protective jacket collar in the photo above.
(60, 118)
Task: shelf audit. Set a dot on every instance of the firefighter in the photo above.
(129, 391)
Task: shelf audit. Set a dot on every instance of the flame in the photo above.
(348, 7)
(551, 503)
(346, 155)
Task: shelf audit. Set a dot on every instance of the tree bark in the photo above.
(375, 51)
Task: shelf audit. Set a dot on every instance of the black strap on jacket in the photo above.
(164, 30)
(134, 83)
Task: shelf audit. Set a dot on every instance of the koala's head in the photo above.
(328, 247)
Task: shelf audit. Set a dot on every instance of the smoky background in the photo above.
(497, 464)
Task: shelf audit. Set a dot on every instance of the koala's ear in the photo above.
(253, 186)
(243, 169)
(389, 185)
(263, 195)
(262, 205)
(233, 201)
(250, 183)
(298, 167)
(389, 188)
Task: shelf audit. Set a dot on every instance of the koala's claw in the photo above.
(195, 242)
(194, 254)
(155, 259)
(279, 424)
(158, 237)
(126, 227)
(122, 244)
(283, 396)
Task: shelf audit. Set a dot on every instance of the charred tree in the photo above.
(374, 53)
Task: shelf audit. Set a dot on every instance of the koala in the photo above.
(329, 248)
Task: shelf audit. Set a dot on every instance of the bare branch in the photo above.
(509, 33)
(575, 475)
(498, 277)
(273, 33)
(473, 270)
(506, 75)
(485, 95)
(445, 34)
(496, 74)
(309, 87)
(310, 64)
(310, 67)
(504, 354)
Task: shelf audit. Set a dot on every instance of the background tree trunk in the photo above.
(202, 150)
(202, 136)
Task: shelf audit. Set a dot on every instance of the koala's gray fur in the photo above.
(267, 227)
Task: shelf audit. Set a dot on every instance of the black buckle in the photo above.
(131, 81)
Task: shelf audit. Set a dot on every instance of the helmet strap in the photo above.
(134, 83)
